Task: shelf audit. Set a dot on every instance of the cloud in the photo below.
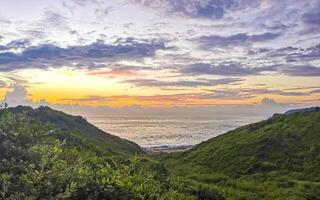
(289, 54)
(4, 21)
(301, 70)
(224, 69)
(101, 13)
(50, 22)
(317, 91)
(227, 94)
(36, 32)
(284, 93)
(48, 55)
(207, 42)
(293, 62)
(192, 98)
(3, 84)
(15, 45)
(92, 98)
(157, 104)
(18, 96)
(154, 100)
(114, 72)
(268, 102)
(248, 93)
(279, 26)
(53, 19)
(183, 83)
(308, 54)
(206, 9)
(85, 2)
(259, 91)
(311, 19)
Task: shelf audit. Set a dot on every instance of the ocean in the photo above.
(164, 130)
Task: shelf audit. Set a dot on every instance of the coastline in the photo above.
(168, 149)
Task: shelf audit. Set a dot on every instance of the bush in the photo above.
(205, 194)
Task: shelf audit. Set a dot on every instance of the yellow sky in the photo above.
(66, 86)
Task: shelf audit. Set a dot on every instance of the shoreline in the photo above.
(168, 149)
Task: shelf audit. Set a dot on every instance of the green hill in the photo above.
(40, 160)
(47, 154)
(78, 127)
(278, 158)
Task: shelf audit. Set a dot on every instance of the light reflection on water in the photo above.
(151, 131)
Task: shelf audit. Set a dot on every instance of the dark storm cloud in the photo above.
(207, 42)
(207, 9)
(183, 83)
(49, 55)
(224, 69)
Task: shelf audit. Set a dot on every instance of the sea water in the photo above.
(171, 131)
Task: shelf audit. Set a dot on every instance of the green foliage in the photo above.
(37, 161)
(46, 154)
(80, 129)
(278, 158)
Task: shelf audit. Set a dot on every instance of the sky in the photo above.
(160, 53)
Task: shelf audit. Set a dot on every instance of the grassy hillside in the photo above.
(46, 154)
(78, 127)
(278, 158)
(40, 160)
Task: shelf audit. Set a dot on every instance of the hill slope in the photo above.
(40, 161)
(79, 127)
(278, 158)
(302, 110)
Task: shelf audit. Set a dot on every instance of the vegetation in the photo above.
(43, 161)
(78, 127)
(278, 158)
(46, 154)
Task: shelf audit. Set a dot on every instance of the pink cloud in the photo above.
(114, 72)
